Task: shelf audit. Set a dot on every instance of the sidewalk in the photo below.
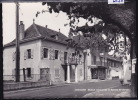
(116, 92)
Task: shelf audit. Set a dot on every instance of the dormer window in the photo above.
(55, 36)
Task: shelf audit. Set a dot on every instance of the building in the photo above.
(100, 65)
(44, 55)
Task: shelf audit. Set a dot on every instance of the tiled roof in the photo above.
(36, 31)
(46, 32)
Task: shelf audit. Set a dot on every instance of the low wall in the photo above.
(23, 85)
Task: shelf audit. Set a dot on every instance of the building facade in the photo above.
(44, 56)
(103, 66)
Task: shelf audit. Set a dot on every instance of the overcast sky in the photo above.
(27, 13)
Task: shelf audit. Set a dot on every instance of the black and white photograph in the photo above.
(69, 49)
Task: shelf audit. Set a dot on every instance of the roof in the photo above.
(39, 32)
(113, 58)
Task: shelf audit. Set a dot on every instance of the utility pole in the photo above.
(17, 45)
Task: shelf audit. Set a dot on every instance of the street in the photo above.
(66, 91)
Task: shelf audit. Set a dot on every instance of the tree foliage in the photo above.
(115, 20)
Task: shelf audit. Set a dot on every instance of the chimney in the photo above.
(46, 26)
(59, 30)
(21, 30)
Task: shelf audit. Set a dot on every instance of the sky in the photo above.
(27, 13)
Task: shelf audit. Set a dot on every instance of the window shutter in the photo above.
(32, 72)
(53, 54)
(13, 56)
(25, 55)
(50, 54)
(42, 52)
(60, 54)
(32, 53)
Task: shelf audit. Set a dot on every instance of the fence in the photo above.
(31, 78)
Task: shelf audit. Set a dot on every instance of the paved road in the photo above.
(65, 91)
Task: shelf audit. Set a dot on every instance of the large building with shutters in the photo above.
(43, 53)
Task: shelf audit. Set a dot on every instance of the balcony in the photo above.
(70, 61)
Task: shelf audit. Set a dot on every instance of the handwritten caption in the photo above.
(101, 89)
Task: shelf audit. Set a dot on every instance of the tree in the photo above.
(121, 16)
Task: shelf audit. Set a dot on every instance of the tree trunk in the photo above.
(133, 75)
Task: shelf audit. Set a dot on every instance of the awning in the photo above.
(93, 66)
(102, 67)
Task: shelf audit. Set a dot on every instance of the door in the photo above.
(65, 56)
(94, 73)
(102, 73)
(44, 74)
(65, 72)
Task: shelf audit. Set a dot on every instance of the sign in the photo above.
(133, 65)
(115, 1)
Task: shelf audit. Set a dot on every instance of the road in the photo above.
(65, 91)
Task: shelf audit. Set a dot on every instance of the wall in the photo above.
(114, 73)
(57, 63)
(36, 63)
(15, 86)
(9, 64)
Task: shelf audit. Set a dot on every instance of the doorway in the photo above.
(45, 74)
(94, 73)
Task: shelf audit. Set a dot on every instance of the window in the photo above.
(73, 54)
(94, 59)
(115, 64)
(45, 52)
(28, 72)
(57, 72)
(56, 37)
(29, 53)
(56, 54)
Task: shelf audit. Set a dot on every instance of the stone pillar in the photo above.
(76, 72)
(68, 74)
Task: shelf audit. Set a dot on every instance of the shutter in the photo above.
(60, 57)
(50, 54)
(25, 55)
(13, 55)
(32, 72)
(32, 53)
(59, 54)
(53, 54)
(42, 52)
